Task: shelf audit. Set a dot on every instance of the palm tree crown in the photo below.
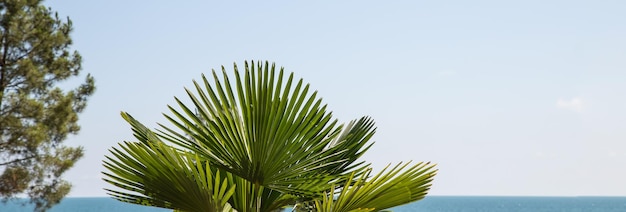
(261, 144)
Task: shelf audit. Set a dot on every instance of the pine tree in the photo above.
(36, 114)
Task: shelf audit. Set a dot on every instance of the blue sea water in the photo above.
(516, 204)
(430, 204)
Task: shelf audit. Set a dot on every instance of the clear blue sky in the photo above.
(509, 98)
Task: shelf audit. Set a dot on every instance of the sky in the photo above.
(509, 98)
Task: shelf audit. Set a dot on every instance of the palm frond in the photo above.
(267, 129)
(156, 174)
(399, 185)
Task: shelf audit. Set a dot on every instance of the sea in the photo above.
(430, 203)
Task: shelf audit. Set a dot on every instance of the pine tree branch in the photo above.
(17, 160)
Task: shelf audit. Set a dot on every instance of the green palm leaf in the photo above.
(269, 130)
(154, 174)
(399, 185)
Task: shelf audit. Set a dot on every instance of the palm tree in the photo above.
(261, 144)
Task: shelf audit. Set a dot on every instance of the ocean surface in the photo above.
(431, 203)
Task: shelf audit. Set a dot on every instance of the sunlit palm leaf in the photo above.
(268, 130)
(399, 185)
(152, 173)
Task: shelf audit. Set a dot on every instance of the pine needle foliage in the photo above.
(36, 113)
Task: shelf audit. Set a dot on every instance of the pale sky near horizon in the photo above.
(508, 98)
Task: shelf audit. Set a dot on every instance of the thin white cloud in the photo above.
(575, 104)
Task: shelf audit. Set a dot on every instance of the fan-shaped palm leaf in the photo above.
(268, 130)
(162, 176)
(399, 185)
